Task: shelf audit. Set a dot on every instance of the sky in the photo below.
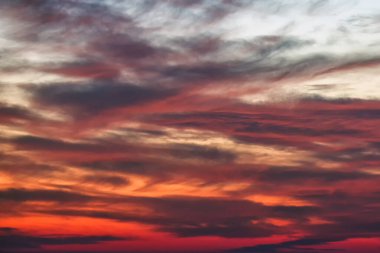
(189, 126)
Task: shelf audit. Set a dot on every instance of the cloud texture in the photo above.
(189, 126)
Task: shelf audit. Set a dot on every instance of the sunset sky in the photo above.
(189, 126)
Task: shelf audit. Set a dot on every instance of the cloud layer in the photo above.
(189, 126)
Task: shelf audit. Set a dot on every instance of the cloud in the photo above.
(69, 150)
(99, 96)
(124, 166)
(193, 121)
(42, 143)
(89, 70)
(284, 125)
(21, 195)
(288, 175)
(186, 216)
(13, 239)
(290, 246)
(10, 114)
(106, 180)
(232, 227)
(21, 167)
(125, 49)
(355, 65)
(229, 229)
(194, 151)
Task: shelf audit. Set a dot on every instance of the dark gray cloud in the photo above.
(290, 246)
(7, 230)
(258, 127)
(124, 166)
(126, 49)
(200, 152)
(14, 114)
(367, 154)
(261, 64)
(228, 227)
(233, 228)
(312, 119)
(21, 195)
(58, 146)
(90, 69)
(100, 179)
(336, 200)
(199, 216)
(41, 143)
(359, 113)
(21, 167)
(12, 239)
(96, 97)
(139, 131)
(292, 175)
